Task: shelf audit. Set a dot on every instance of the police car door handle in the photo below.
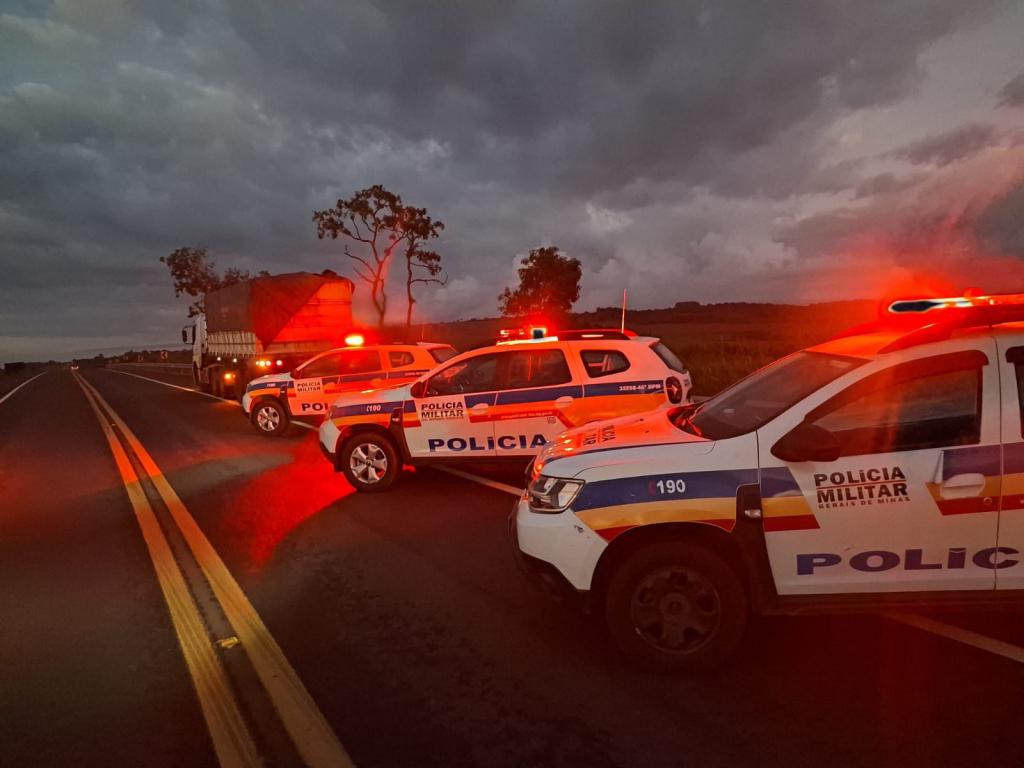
(563, 402)
(962, 486)
(480, 408)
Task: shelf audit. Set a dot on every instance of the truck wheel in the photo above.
(269, 417)
(675, 607)
(370, 462)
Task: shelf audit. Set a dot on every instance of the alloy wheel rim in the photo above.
(268, 418)
(369, 463)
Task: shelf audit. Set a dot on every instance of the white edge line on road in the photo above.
(193, 391)
(483, 481)
(960, 635)
(27, 381)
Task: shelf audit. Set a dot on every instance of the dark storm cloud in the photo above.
(129, 129)
(1012, 94)
(1001, 224)
(949, 147)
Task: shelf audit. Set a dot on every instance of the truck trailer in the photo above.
(265, 325)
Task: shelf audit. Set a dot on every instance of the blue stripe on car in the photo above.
(715, 484)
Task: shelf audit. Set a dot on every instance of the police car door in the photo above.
(454, 411)
(307, 396)
(538, 390)
(891, 485)
(1011, 515)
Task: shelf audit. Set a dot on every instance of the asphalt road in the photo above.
(406, 620)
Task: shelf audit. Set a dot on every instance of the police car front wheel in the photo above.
(370, 462)
(675, 607)
(269, 418)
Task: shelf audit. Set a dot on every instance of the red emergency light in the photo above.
(530, 333)
(927, 318)
(354, 340)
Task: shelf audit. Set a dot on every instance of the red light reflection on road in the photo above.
(272, 504)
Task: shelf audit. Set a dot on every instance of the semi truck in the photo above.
(266, 325)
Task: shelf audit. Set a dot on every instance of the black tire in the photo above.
(370, 462)
(269, 417)
(675, 607)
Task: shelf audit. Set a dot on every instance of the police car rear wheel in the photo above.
(370, 462)
(674, 607)
(269, 418)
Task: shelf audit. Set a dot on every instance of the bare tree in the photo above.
(377, 219)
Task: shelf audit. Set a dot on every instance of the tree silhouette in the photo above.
(549, 284)
(195, 274)
(382, 224)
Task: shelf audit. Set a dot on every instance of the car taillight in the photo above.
(674, 390)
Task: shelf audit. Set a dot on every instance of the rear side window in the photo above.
(441, 354)
(603, 362)
(400, 359)
(668, 357)
(540, 368)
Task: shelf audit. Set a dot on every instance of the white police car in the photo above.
(885, 467)
(270, 401)
(503, 401)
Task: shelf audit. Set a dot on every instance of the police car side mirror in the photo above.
(418, 389)
(807, 442)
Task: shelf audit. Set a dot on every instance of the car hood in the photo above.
(614, 441)
(387, 395)
(270, 381)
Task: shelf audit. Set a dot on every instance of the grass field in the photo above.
(719, 343)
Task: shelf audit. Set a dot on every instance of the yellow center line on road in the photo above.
(313, 737)
(232, 741)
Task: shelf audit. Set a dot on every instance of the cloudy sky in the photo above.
(709, 151)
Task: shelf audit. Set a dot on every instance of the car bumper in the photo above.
(557, 551)
(328, 438)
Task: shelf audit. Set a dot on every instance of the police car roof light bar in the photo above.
(935, 319)
(929, 319)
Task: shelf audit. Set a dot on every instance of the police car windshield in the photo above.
(760, 397)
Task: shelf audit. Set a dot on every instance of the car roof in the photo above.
(869, 345)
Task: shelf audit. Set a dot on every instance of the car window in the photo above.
(327, 365)
(603, 362)
(358, 361)
(668, 357)
(890, 412)
(1015, 355)
(473, 374)
(760, 397)
(537, 368)
(399, 359)
(443, 354)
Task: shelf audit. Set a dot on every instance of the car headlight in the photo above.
(552, 494)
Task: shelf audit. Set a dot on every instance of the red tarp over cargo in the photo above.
(267, 305)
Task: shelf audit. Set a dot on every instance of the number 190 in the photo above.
(672, 485)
